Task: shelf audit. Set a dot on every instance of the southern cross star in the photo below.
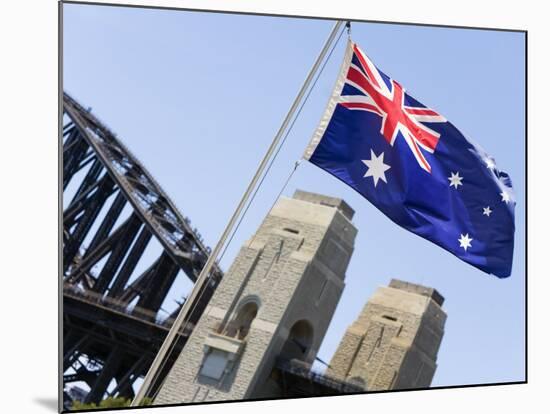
(490, 163)
(465, 240)
(505, 197)
(455, 180)
(487, 211)
(376, 167)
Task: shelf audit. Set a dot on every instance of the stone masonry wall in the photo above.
(393, 344)
(293, 270)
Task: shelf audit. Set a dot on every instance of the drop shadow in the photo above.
(49, 403)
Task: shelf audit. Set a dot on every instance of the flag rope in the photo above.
(296, 164)
(171, 339)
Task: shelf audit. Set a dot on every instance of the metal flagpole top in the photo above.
(157, 362)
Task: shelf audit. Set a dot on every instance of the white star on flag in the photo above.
(490, 163)
(487, 211)
(376, 167)
(455, 180)
(505, 196)
(465, 240)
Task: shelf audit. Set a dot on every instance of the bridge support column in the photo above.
(106, 375)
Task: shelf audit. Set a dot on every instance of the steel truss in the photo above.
(111, 322)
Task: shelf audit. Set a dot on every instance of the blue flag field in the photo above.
(415, 166)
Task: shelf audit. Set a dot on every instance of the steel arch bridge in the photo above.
(112, 326)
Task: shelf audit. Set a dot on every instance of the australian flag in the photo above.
(415, 166)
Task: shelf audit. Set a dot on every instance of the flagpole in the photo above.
(159, 358)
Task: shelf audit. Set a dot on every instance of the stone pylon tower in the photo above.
(393, 344)
(275, 301)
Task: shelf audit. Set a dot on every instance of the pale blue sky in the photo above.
(197, 97)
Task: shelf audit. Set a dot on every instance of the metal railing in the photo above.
(136, 312)
(303, 370)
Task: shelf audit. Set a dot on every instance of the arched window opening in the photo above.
(299, 341)
(240, 325)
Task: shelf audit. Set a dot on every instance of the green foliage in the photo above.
(110, 402)
(77, 405)
(146, 401)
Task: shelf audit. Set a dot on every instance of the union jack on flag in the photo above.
(415, 166)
